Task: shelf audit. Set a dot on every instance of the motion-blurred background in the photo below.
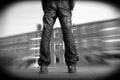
(96, 29)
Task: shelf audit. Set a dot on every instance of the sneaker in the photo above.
(44, 69)
(72, 69)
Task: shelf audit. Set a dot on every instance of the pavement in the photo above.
(59, 72)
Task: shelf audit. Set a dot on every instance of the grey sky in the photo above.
(24, 16)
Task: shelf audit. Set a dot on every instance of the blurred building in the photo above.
(92, 40)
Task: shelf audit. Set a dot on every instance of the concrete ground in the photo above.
(60, 72)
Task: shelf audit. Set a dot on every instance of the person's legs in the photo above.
(48, 22)
(70, 48)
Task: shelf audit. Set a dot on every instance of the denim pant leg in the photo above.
(70, 48)
(48, 22)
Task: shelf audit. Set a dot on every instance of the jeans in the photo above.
(49, 18)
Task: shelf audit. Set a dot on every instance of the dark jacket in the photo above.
(65, 4)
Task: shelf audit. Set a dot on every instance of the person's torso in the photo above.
(57, 4)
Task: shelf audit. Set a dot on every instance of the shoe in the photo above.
(72, 69)
(44, 69)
